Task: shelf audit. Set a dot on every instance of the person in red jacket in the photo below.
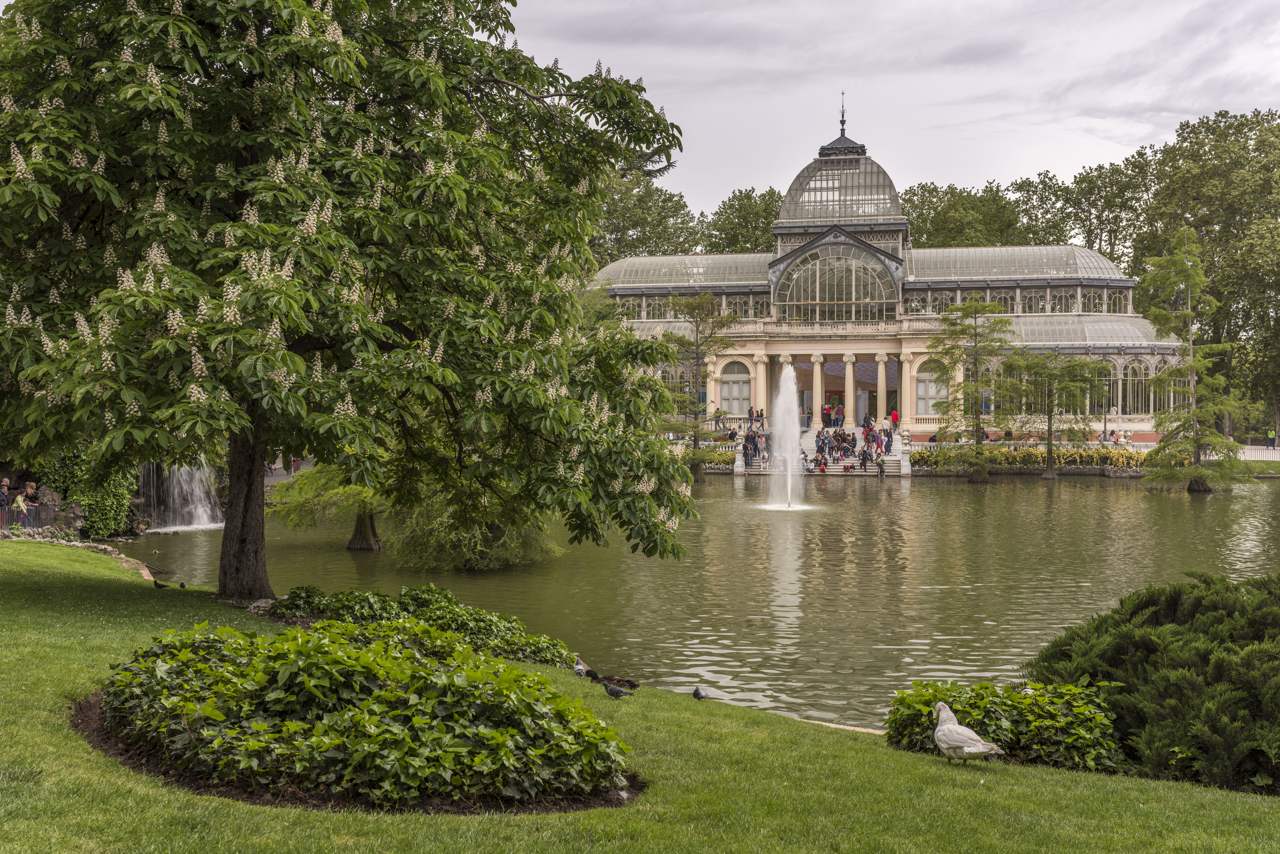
(893, 419)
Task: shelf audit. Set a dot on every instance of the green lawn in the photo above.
(721, 778)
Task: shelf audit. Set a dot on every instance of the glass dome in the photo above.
(836, 282)
(842, 185)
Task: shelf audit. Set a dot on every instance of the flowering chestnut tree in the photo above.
(352, 230)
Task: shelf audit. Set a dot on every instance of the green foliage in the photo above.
(321, 493)
(640, 218)
(391, 714)
(352, 233)
(959, 216)
(743, 222)
(484, 631)
(1066, 726)
(1190, 671)
(971, 340)
(708, 456)
(952, 458)
(435, 535)
(103, 498)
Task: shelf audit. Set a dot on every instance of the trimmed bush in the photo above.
(952, 458)
(388, 714)
(1066, 726)
(1192, 673)
(485, 631)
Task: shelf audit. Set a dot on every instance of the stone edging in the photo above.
(55, 537)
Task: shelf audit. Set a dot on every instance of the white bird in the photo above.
(959, 742)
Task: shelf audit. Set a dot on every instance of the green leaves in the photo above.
(389, 714)
(1066, 726)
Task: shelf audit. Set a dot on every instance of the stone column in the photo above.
(882, 386)
(713, 381)
(906, 391)
(816, 421)
(850, 389)
(761, 390)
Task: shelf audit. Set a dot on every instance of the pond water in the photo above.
(824, 613)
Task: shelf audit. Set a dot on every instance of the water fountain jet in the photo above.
(784, 445)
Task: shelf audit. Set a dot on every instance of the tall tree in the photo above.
(743, 222)
(700, 340)
(1049, 392)
(969, 344)
(1044, 214)
(324, 230)
(1192, 449)
(640, 218)
(1109, 205)
(961, 216)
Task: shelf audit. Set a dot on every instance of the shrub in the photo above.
(103, 497)
(485, 631)
(388, 714)
(948, 458)
(1066, 726)
(1193, 673)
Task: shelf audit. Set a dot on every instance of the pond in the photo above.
(825, 612)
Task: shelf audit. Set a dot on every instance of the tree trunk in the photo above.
(1199, 485)
(364, 538)
(242, 568)
(1050, 470)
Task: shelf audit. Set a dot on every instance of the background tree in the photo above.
(1192, 449)
(638, 217)
(1050, 393)
(743, 222)
(324, 493)
(1044, 213)
(701, 340)
(969, 345)
(324, 231)
(959, 216)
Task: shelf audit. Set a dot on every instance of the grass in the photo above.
(721, 778)
(1263, 467)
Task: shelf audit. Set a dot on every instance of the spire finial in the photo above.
(842, 112)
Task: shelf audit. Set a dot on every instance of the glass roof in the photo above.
(1085, 330)
(688, 270)
(1009, 262)
(834, 189)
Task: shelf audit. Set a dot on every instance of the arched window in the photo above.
(1094, 301)
(931, 388)
(738, 305)
(1161, 388)
(1117, 302)
(629, 308)
(1137, 390)
(1102, 394)
(837, 283)
(760, 307)
(916, 304)
(1033, 301)
(657, 308)
(1064, 301)
(940, 301)
(1004, 299)
(735, 388)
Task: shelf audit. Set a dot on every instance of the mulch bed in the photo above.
(86, 719)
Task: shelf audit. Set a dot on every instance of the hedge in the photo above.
(485, 631)
(387, 714)
(1066, 726)
(948, 458)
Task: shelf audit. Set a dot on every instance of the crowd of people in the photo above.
(866, 445)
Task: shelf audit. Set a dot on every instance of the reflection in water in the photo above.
(825, 613)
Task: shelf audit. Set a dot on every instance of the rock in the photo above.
(261, 607)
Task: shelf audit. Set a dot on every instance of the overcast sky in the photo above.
(938, 90)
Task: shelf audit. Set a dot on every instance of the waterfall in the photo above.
(784, 444)
(179, 497)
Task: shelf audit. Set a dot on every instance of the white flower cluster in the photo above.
(274, 331)
(157, 255)
(132, 409)
(198, 369)
(484, 397)
(333, 33)
(250, 214)
(83, 328)
(153, 77)
(109, 418)
(283, 378)
(100, 165)
(78, 160)
(132, 8)
(20, 168)
(158, 204)
(162, 133)
(303, 29)
(176, 9)
(671, 523)
(345, 409)
(173, 322)
(195, 394)
(231, 302)
(124, 279)
(645, 486)
(27, 33)
(439, 355)
(6, 101)
(308, 227)
(276, 170)
(62, 65)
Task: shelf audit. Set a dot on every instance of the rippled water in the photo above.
(824, 613)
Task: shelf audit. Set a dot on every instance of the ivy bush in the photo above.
(1192, 673)
(948, 458)
(485, 631)
(103, 499)
(390, 714)
(1066, 726)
